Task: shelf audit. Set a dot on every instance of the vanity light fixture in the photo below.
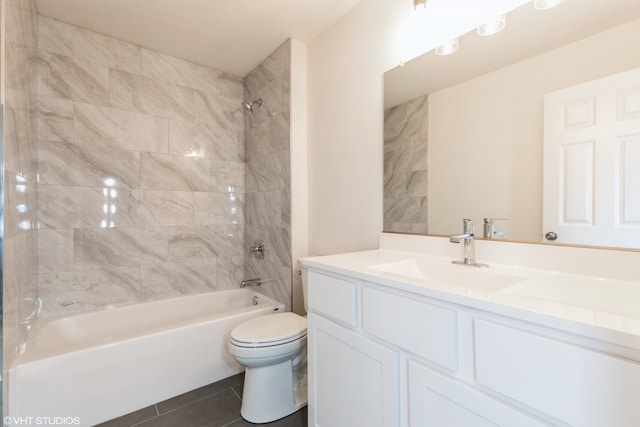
(419, 5)
(546, 4)
(491, 27)
(447, 48)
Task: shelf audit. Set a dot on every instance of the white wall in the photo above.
(346, 64)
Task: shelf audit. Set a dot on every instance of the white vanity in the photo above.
(400, 336)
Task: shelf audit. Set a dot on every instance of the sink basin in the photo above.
(444, 273)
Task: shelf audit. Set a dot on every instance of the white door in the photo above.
(592, 162)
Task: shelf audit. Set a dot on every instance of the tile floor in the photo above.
(214, 405)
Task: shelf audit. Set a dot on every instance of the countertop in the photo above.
(601, 308)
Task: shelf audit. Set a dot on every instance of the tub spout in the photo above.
(251, 282)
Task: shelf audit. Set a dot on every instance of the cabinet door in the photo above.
(438, 401)
(353, 381)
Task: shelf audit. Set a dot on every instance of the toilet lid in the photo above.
(271, 329)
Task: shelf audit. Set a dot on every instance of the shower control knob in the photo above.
(258, 249)
(551, 235)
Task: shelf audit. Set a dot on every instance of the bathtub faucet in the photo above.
(251, 282)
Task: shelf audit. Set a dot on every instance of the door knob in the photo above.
(551, 235)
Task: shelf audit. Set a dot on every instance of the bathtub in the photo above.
(94, 366)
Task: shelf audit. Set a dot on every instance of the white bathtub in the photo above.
(95, 366)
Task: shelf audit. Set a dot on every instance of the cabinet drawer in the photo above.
(426, 330)
(332, 297)
(572, 384)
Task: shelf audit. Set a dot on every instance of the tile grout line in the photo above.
(236, 393)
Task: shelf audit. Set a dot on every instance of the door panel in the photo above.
(591, 152)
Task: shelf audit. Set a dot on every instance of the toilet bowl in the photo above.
(273, 350)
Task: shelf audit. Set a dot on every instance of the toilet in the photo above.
(273, 349)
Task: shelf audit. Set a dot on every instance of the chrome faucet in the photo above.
(251, 282)
(488, 229)
(468, 244)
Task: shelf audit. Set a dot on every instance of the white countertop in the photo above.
(602, 308)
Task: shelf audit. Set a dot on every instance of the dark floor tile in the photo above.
(241, 423)
(235, 382)
(213, 411)
(215, 405)
(297, 419)
(132, 418)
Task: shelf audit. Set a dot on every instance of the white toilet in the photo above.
(273, 350)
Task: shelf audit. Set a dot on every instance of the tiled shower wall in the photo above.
(405, 167)
(141, 173)
(268, 182)
(20, 174)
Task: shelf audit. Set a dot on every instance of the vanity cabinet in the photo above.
(385, 356)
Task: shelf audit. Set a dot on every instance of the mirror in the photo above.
(463, 134)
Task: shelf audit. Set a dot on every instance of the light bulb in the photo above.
(546, 4)
(493, 26)
(447, 48)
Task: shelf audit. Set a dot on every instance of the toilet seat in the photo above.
(269, 330)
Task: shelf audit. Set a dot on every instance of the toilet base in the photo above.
(273, 392)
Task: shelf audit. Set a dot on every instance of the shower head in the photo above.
(248, 106)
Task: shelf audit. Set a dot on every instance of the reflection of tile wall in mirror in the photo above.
(485, 112)
(405, 153)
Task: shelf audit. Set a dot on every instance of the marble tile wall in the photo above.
(405, 167)
(20, 175)
(268, 182)
(141, 166)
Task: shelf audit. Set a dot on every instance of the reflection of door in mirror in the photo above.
(405, 169)
(591, 157)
